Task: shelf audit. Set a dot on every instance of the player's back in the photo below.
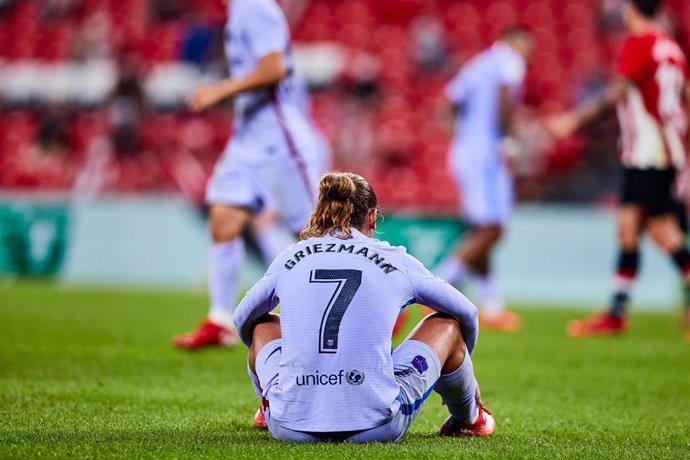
(475, 92)
(339, 299)
(652, 116)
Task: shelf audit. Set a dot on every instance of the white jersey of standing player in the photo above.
(475, 159)
(273, 152)
(475, 91)
(339, 299)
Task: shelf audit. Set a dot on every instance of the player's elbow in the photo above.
(277, 72)
(273, 68)
(473, 314)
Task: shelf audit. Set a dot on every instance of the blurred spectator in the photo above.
(5, 5)
(429, 51)
(362, 76)
(610, 17)
(127, 106)
(200, 39)
(166, 10)
(52, 137)
(56, 9)
(45, 161)
(94, 38)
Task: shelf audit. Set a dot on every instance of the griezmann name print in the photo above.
(341, 248)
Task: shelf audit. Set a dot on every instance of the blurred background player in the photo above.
(269, 232)
(270, 156)
(649, 91)
(483, 95)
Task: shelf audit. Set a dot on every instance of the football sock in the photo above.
(682, 261)
(628, 264)
(452, 270)
(272, 239)
(489, 297)
(224, 277)
(458, 390)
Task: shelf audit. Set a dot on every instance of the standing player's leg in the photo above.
(487, 198)
(630, 225)
(668, 236)
(226, 224)
(234, 193)
(270, 235)
(681, 212)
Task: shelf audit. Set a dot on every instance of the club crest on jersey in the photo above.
(355, 377)
(419, 363)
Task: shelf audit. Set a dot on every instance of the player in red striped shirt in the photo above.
(651, 94)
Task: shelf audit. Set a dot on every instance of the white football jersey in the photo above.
(339, 300)
(475, 90)
(255, 29)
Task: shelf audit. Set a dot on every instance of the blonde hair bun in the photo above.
(337, 187)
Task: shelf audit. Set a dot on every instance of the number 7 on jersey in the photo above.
(348, 282)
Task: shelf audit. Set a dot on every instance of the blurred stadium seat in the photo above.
(357, 51)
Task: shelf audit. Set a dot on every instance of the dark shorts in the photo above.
(651, 189)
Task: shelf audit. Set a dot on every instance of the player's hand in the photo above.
(561, 126)
(205, 97)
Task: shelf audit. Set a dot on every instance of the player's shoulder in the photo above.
(385, 246)
(664, 47)
(405, 260)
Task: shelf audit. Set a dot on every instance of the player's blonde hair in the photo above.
(345, 200)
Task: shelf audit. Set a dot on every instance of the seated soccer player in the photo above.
(323, 370)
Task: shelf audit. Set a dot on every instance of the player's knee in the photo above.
(451, 347)
(492, 234)
(266, 330)
(447, 327)
(225, 226)
(666, 236)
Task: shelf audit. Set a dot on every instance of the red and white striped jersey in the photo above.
(652, 116)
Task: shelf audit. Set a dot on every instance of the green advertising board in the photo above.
(33, 238)
(429, 239)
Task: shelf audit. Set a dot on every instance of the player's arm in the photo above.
(591, 110)
(452, 104)
(506, 108)
(258, 301)
(440, 296)
(267, 35)
(269, 72)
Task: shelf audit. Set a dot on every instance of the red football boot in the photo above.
(504, 321)
(208, 334)
(599, 325)
(485, 425)
(260, 420)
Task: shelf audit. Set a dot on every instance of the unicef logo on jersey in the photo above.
(355, 377)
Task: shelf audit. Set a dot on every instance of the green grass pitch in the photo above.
(90, 373)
